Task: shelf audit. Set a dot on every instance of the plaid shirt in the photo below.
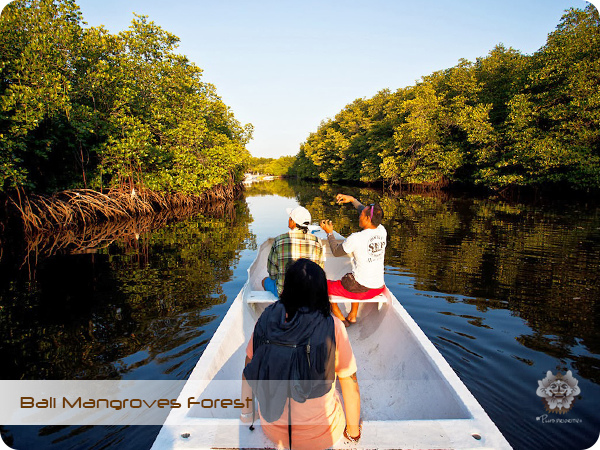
(289, 247)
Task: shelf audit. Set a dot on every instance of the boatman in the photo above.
(288, 247)
(366, 249)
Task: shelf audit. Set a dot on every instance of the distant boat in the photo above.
(249, 179)
(410, 396)
(252, 178)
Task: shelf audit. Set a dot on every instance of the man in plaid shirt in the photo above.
(288, 247)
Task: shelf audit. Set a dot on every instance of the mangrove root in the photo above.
(79, 208)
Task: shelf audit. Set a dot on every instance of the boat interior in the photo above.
(398, 378)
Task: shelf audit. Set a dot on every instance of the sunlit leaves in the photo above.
(507, 119)
(82, 107)
(36, 81)
(281, 166)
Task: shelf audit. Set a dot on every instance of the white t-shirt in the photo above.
(367, 248)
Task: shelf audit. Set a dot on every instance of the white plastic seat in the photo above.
(268, 297)
(261, 297)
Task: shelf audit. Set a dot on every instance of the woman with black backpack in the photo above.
(292, 360)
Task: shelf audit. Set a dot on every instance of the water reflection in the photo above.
(541, 262)
(126, 300)
(505, 291)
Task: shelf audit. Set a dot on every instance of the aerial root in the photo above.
(77, 208)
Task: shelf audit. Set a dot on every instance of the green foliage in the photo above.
(507, 119)
(280, 167)
(82, 107)
(36, 82)
(554, 124)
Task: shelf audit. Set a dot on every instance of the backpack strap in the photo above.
(290, 417)
(253, 410)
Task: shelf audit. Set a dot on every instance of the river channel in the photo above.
(507, 290)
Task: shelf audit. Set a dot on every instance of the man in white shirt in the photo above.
(367, 250)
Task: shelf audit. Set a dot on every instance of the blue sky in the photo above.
(285, 66)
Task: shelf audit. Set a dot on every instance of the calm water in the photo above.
(506, 291)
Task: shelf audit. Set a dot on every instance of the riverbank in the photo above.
(548, 192)
(77, 208)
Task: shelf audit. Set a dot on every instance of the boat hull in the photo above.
(410, 396)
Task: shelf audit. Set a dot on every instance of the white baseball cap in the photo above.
(299, 215)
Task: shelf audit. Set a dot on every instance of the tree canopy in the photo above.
(81, 107)
(271, 166)
(505, 119)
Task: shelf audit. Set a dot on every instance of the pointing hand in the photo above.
(327, 226)
(342, 198)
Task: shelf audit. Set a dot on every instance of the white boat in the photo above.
(410, 396)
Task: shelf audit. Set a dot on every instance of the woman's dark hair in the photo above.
(305, 284)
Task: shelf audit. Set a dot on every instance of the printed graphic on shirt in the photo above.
(376, 248)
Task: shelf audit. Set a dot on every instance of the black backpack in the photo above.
(294, 359)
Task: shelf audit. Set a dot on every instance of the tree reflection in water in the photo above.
(118, 299)
(505, 290)
(541, 262)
